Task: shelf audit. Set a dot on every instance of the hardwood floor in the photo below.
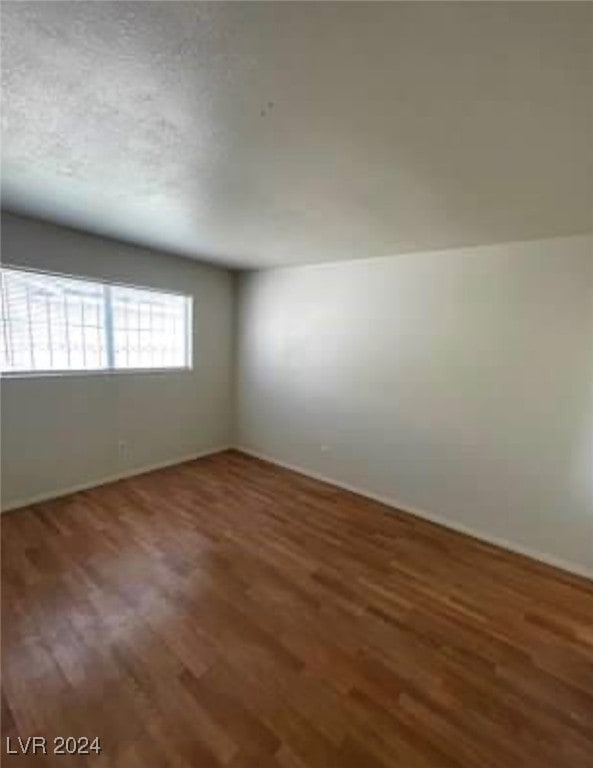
(226, 612)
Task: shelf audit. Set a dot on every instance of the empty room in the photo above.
(297, 384)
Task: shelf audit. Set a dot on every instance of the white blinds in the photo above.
(54, 323)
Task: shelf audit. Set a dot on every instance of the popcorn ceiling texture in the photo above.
(259, 134)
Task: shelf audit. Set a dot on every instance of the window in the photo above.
(52, 323)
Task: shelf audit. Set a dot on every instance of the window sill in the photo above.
(86, 373)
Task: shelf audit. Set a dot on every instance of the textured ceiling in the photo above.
(255, 134)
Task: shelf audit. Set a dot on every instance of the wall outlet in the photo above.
(324, 448)
(122, 449)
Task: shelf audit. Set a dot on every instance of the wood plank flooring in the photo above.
(226, 612)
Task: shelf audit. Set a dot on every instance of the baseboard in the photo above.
(541, 557)
(56, 494)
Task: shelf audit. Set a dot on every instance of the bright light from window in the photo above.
(53, 323)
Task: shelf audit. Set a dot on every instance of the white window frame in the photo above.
(110, 369)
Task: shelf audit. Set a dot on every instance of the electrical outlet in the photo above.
(122, 449)
(324, 448)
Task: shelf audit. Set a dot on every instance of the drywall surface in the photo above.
(459, 383)
(61, 432)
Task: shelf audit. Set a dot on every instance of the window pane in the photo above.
(48, 322)
(150, 329)
(54, 323)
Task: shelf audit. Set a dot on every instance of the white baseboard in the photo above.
(542, 557)
(56, 494)
(520, 549)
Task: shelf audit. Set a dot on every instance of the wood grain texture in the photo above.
(226, 612)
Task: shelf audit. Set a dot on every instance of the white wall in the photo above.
(459, 383)
(59, 432)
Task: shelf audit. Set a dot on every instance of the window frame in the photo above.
(109, 370)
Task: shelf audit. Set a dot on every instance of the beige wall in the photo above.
(60, 432)
(458, 383)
